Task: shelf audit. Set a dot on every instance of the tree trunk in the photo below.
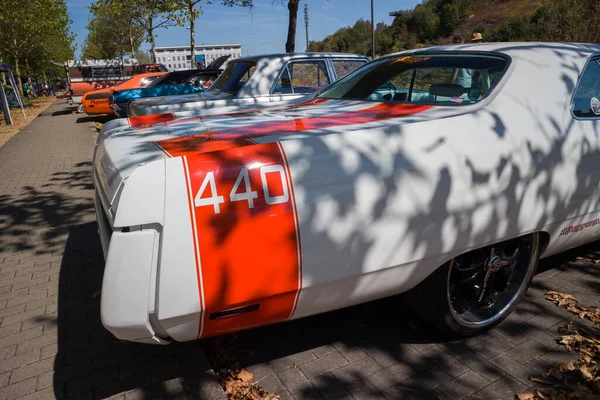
(153, 44)
(290, 45)
(193, 42)
(150, 32)
(18, 75)
(2, 76)
(131, 43)
(28, 72)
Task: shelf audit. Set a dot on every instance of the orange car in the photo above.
(96, 101)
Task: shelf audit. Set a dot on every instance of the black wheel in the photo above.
(475, 291)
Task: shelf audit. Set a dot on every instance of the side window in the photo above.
(303, 77)
(284, 85)
(344, 67)
(586, 100)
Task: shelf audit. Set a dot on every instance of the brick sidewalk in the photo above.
(52, 343)
(381, 350)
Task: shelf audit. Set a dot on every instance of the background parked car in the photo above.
(257, 81)
(96, 101)
(174, 83)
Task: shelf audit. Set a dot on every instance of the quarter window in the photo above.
(303, 77)
(586, 100)
(344, 67)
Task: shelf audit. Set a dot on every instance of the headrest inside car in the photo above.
(446, 89)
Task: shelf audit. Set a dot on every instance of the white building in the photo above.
(180, 57)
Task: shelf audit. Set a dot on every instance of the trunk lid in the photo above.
(119, 154)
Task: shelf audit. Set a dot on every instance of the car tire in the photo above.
(436, 300)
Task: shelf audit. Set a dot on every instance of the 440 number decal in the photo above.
(243, 219)
(208, 194)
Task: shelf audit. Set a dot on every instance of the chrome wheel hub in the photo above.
(483, 284)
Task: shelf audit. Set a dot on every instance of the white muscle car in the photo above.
(446, 172)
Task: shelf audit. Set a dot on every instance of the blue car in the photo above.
(173, 83)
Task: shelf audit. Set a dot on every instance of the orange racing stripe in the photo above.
(249, 249)
(144, 121)
(226, 138)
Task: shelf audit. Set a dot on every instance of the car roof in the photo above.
(290, 56)
(582, 49)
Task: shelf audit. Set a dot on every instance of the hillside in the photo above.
(487, 15)
(437, 21)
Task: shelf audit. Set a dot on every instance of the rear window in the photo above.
(441, 79)
(586, 99)
(234, 77)
(172, 78)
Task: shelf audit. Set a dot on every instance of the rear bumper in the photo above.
(129, 285)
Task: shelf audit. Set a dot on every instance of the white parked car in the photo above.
(446, 172)
(247, 83)
(254, 80)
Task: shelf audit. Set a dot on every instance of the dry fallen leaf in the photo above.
(405, 388)
(526, 396)
(577, 379)
(245, 376)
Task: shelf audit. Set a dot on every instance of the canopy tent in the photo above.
(3, 100)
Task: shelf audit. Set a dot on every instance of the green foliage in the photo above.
(142, 57)
(513, 29)
(425, 22)
(449, 19)
(568, 20)
(435, 21)
(33, 32)
(190, 10)
(111, 35)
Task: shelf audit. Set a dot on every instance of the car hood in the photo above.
(148, 105)
(124, 149)
(121, 96)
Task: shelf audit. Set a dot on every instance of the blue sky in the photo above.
(262, 30)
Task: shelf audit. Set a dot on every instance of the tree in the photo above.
(192, 9)
(150, 15)
(449, 19)
(292, 6)
(111, 36)
(34, 32)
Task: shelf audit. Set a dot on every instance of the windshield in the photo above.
(234, 77)
(441, 79)
(175, 78)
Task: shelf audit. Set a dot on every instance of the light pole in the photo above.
(372, 30)
(306, 22)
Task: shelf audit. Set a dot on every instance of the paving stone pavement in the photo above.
(381, 350)
(52, 343)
